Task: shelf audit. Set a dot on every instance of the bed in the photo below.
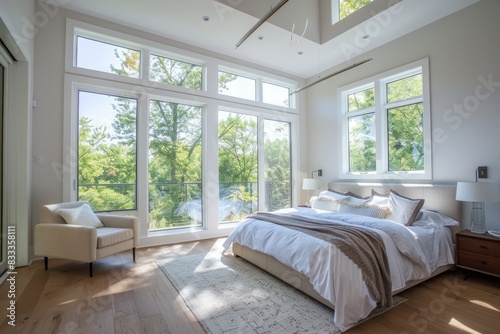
(317, 267)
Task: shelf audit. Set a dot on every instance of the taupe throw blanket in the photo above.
(364, 247)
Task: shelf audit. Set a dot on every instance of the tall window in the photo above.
(361, 123)
(107, 174)
(405, 120)
(277, 159)
(175, 196)
(238, 167)
(387, 122)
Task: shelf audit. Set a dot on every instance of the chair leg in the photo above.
(90, 268)
(46, 262)
(133, 254)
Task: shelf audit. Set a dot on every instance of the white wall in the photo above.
(16, 20)
(463, 50)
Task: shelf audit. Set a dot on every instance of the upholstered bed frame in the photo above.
(437, 197)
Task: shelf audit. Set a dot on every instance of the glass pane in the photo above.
(361, 100)
(111, 58)
(277, 159)
(175, 72)
(236, 86)
(406, 138)
(107, 151)
(405, 88)
(347, 7)
(362, 151)
(238, 193)
(276, 95)
(175, 194)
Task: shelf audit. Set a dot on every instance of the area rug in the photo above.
(229, 295)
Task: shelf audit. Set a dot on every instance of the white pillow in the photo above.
(324, 203)
(363, 209)
(433, 218)
(82, 215)
(334, 194)
(404, 210)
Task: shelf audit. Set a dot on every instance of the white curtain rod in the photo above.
(331, 75)
(261, 21)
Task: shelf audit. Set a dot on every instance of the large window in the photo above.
(238, 167)
(175, 148)
(386, 125)
(150, 132)
(278, 164)
(107, 151)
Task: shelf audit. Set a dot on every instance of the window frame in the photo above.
(379, 82)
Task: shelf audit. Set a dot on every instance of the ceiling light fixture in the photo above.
(331, 75)
(261, 21)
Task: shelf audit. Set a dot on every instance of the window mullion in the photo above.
(261, 175)
(145, 65)
(142, 163)
(381, 126)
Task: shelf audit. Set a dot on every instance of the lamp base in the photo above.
(477, 221)
(478, 231)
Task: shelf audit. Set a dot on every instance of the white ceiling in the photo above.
(323, 46)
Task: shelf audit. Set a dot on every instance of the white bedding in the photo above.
(413, 253)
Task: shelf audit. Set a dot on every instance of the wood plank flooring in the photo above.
(127, 297)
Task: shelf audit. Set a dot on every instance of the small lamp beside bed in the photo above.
(312, 183)
(478, 193)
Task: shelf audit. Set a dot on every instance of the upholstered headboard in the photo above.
(438, 197)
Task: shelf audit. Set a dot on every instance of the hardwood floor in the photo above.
(124, 297)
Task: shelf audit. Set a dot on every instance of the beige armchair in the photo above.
(54, 237)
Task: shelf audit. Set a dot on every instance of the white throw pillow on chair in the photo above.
(82, 215)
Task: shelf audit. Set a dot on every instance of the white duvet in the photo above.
(412, 252)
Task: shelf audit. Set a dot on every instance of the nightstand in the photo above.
(478, 252)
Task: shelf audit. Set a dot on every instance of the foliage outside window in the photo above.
(347, 7)
(107, 151)
(175, 148)
(238, 167)
(277, 157)
(385, 123)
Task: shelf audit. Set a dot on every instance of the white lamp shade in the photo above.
(478, 192)
(310, 184)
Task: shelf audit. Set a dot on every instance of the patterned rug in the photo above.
(230, 295)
